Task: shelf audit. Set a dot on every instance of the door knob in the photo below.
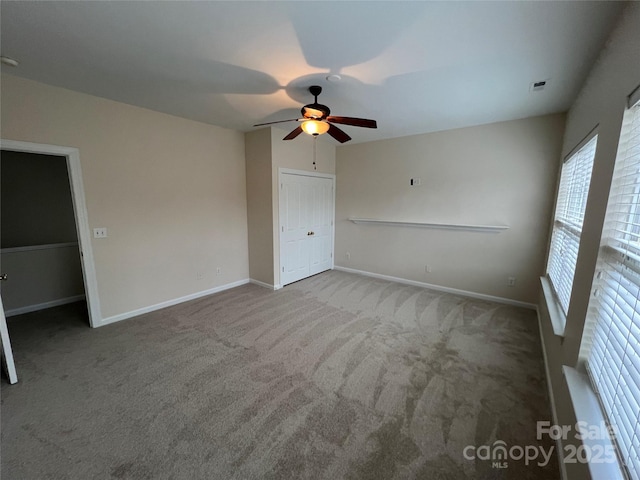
(3, 277)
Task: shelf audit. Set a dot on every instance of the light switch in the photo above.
(100, 232)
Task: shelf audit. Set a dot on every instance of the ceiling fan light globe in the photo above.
(315, 127)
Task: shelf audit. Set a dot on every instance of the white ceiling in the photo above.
(415, 67)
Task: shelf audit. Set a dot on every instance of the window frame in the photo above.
(615, 296)
(556, 283)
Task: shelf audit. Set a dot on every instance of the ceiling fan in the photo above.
(316, 120)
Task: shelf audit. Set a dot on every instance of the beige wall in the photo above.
(35, 200)
(601, 103)
(259, 205)
(170, 191)
(38, 278)
(498, 174)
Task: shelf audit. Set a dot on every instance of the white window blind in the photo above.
(612, 334)
(567, 227)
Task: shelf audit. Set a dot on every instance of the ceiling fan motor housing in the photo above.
(315, 110)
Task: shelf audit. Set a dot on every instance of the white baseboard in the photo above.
(439, 288)
(265, 285)
(262, 284)
(42, 306)
(170, 303)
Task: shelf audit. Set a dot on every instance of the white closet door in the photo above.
(306, 230)
(294, 221)
(321, 225)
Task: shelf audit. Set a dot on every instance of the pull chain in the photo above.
(315, 154)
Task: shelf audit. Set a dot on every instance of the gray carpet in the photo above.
(335, 377)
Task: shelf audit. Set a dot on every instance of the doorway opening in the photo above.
(39, 251)
(45, 237)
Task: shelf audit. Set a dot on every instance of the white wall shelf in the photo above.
(446, 226)
(29, 248)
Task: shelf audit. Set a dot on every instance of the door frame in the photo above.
(7, 353)
(304, 173)
(83, 230)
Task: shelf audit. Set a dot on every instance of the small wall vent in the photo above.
(538, 86)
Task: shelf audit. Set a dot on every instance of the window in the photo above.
(612, 333)
(567, 226)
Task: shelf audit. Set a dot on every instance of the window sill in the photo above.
(558, 319)
(587, 410)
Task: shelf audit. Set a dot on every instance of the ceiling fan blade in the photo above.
(294, 133)
(356, 122)
(277, 121)
(338, 134)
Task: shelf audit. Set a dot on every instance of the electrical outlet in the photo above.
(199, 275)
(427, 269)
(100, 232)
(511, 281)
(218, 271)
(348, 255)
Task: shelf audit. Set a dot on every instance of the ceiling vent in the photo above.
(538, 86)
